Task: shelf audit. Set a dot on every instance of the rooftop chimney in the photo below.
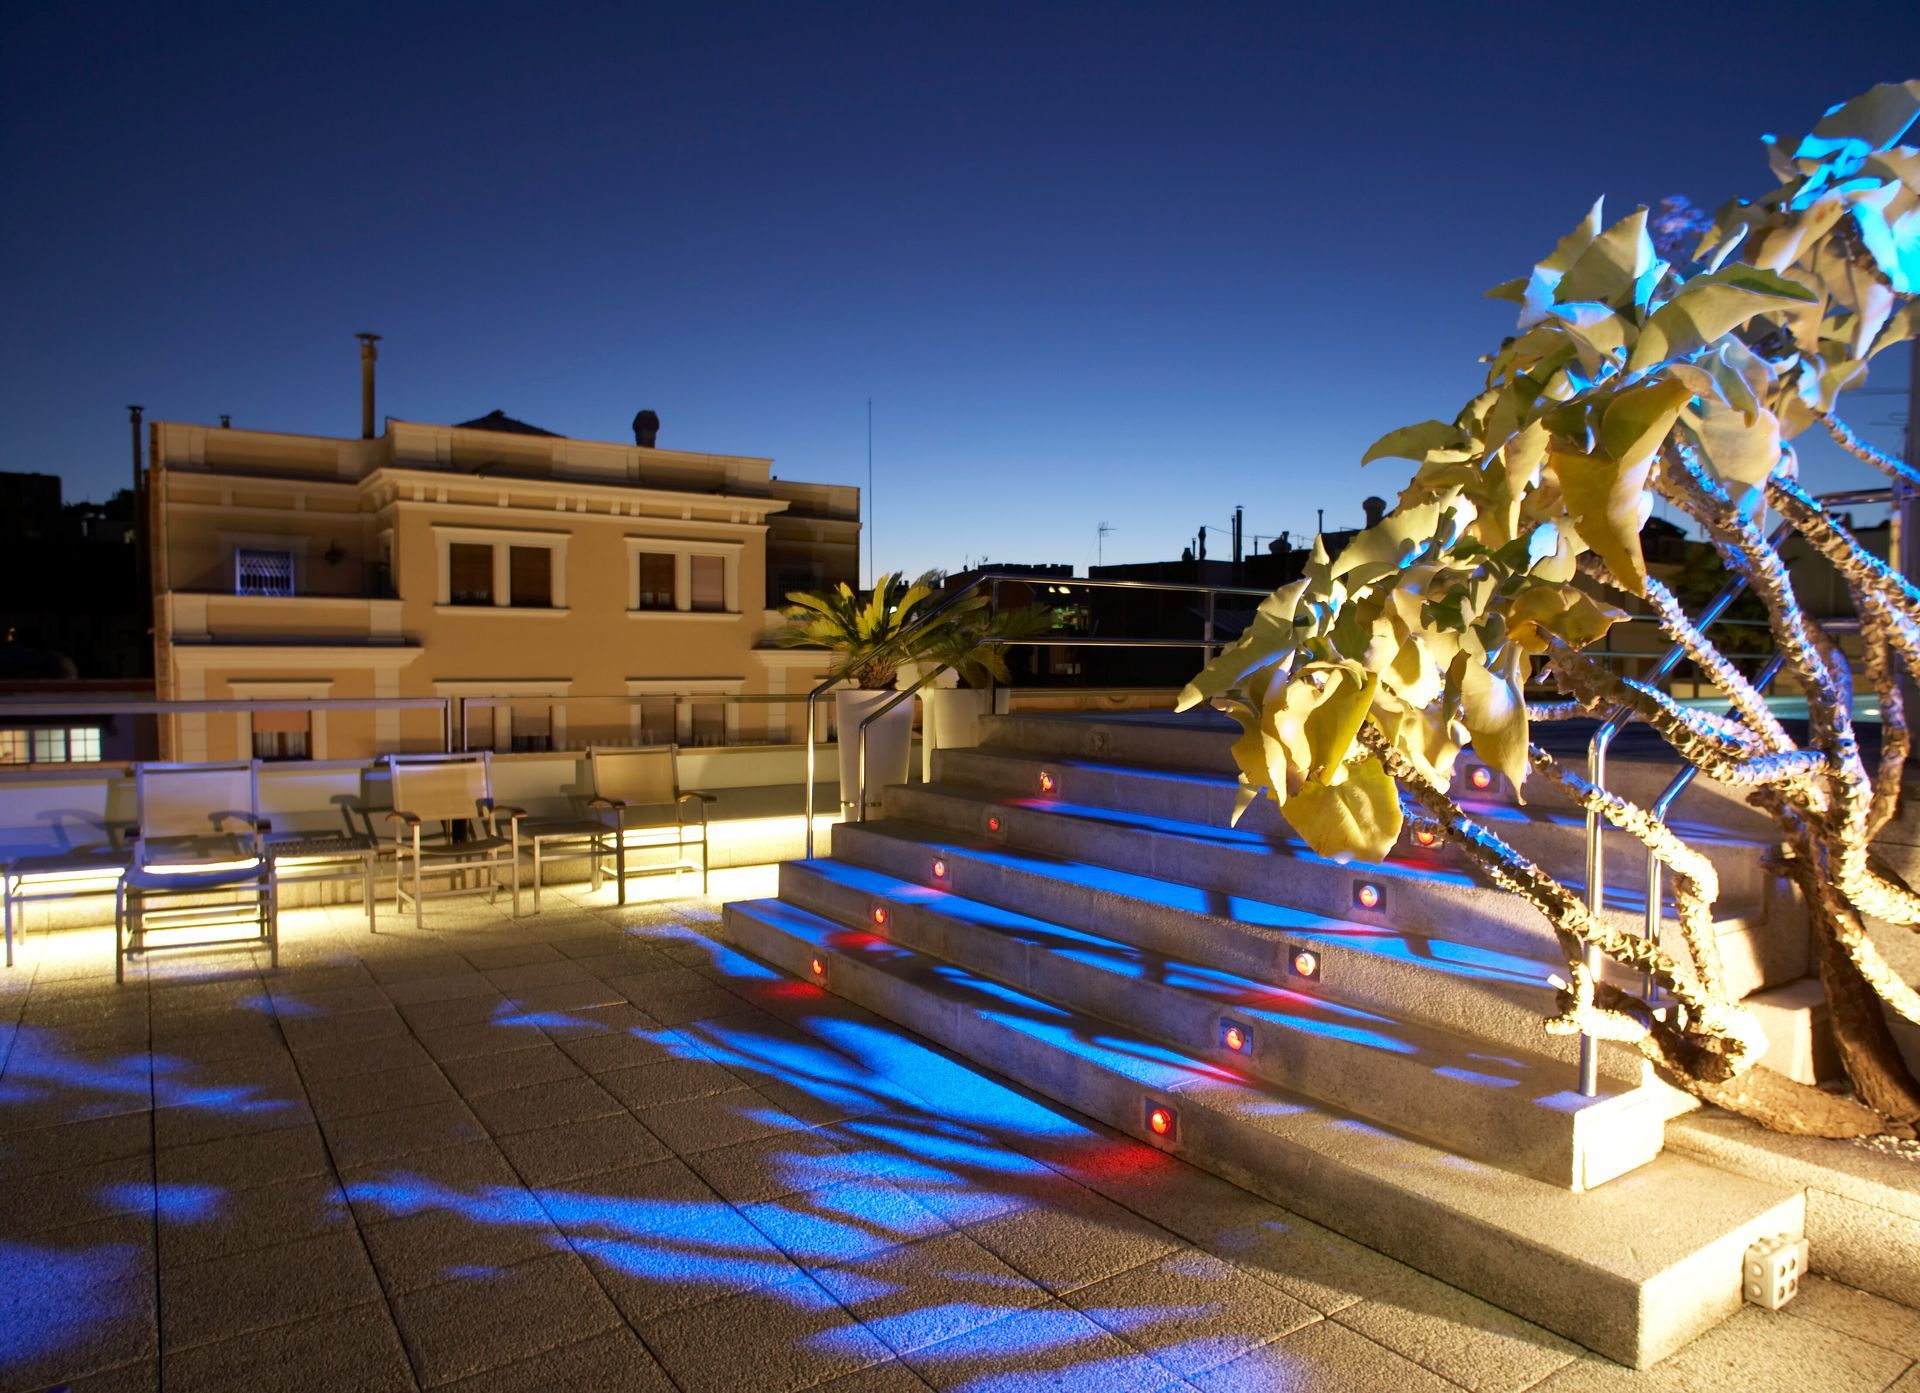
(646, 428)
(226, 422)
(1376, 508)
(368, 356)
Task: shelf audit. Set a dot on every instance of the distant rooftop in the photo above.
(500, 421)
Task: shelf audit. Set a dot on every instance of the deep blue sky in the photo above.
(1109, 263)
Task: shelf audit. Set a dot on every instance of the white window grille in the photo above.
(13, 747)
(258, 572)
(83, 744)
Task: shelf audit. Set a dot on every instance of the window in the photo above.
(656, 580)
(709, 577)
(709, 721)
(51, 745)
(530, 577)
(470, 574)
(258, 572)
(656, 720)
(279, 744)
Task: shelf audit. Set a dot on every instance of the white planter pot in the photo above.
(889, 746)
(951, 721)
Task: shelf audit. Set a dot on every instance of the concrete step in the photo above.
(1633, 1271)
(1552, 835)
(1499, 998)
(1506, 1107)
(1202, 741)
(1420, 895)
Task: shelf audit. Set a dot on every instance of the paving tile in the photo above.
(922, 1293)
(491, 1231)
(56, 1199)
(408, 1087)
(843, 1223)
(481, 1074)
(244, 1292)
(1753, 1351)
(388, 1136)
(446, 1177)
(1048, 1347)
(230, 1112)
(640, 1199)
(73, 1144)
(237, 1163)
(362, 1057)
(554, 1155)
(786, 1336)
(1190, 1311)
(1860, 1314)
(447, 1013)
(723, 1119)
(551, 1104)
(555, 1003)
(1073, 1243)
(599, 1020)
(141, 1377)
(76, 1301)
(467, 1041)
(713, 1253)
(312, 1003)
(510, 955)
(1327, 1358)
(890, 1377)
(785, 1163)
(195, 1224)
(357, 1348)
(1308, 1262)
(615, 1362)
(316, 1032)
(672, 1081)
(553, 971)
(212, 1042)
(632, 1047)
(1458, 1336)
(683, 1008)
(493, 1318)
(454, 986)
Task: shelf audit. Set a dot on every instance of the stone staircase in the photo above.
(1066, 905)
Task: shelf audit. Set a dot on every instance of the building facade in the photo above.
(562, 592)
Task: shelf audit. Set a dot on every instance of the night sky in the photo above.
(1109, 263)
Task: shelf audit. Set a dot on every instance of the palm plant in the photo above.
(970, 643)
(872, 634)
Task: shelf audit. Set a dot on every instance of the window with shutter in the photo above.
(470, 573)
(709, 723)
(258, 572)
(530, 573)
(709, 583)
(656, 580)
(656, 721)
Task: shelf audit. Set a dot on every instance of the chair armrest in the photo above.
(700, 797)
(614, 804)
(395, 815)
(497, 809)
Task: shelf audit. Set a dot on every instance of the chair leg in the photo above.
(8, 888)
(417, 924)
(536, 873)
(366, 865)
(514, 858)
(620, 860)
(119, 919)
(273, 917)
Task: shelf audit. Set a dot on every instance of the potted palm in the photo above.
(870, 636)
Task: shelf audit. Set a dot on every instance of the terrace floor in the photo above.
(597, 1149)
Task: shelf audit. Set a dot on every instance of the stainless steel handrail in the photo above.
(993, 580)
(1617, 720)
(1664, 804)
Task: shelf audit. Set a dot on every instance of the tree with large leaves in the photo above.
(1630, 378)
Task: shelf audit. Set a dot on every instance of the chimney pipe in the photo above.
(368, 356)
(139, 509)
(646, 429)
(1376, 508)
(226, 422)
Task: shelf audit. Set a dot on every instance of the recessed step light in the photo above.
(1368, 895)
(1304, 962)
(1162, 1121)
(1047, 781)
(1236, 1037)
(880, 915)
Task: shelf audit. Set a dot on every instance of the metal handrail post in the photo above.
(813, 699)
(1207, 633)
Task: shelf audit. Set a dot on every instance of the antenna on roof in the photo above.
(1100, 542)
(872, 574)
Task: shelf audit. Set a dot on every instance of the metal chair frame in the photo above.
(67, 875)
(455, 859)
(209, 898)
(622, 813)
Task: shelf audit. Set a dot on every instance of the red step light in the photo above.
(819, 967)
(1426, 836)
(1306, 963)
(993, 824)
(939, 869)
(1367, 895)
(1233, 1036)
(1481, 777)
(880, 915)
(1046, 782)
(1162, 1121)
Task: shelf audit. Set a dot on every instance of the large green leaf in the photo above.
(1741, 453)
(1612, 264)
(1413, 442)
(1709, 306)
(1638, 420)
(1874, 120)
(1359, 816)
(1493, 705)
(1603, 496)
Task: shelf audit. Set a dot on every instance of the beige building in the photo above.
(568, 590)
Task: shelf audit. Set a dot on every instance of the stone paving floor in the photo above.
(597, 1149)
